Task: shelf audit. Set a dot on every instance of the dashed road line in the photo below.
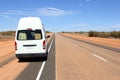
(103, 59)
(75, 45)
(94, 54)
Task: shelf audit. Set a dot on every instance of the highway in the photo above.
(68, 59)
(79, 60)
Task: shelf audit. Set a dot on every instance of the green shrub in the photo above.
(113, 34)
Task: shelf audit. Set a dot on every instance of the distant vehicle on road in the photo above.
(30, 39)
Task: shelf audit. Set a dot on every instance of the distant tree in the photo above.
(47, 31)
(93, 34)
(115, 34)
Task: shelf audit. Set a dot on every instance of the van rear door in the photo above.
(30, 41)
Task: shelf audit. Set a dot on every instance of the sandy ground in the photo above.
(6, 49)
(104, 41)
(9, 70)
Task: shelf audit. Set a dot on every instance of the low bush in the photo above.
(113, 34)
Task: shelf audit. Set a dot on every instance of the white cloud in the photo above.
(79, 25)
(87, 0)
(4, 16)
(50, 11)
(53, 12)
(12, 12)
(116, 26)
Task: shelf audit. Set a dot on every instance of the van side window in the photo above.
(29, 35)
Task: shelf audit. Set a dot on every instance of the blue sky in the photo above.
(63, 15)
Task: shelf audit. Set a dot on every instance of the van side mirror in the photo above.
(48, 36)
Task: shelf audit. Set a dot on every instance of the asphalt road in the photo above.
(71, 59)
(31, 72)
(80, 60)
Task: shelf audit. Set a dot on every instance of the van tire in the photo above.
(45, 58)
(21, 59)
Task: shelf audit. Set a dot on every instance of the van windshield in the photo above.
(29, 35)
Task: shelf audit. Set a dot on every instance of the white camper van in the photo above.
(30, 39)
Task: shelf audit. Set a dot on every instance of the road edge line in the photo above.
(43, 64)
(50, 46)
(40, 72)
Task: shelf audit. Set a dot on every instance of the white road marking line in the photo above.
(50, 45)
(75, 45)
(40, 72)
(100, 58)
(43, 64)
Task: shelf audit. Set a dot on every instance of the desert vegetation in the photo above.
(113, 34)
(7, 34)
(103, 34)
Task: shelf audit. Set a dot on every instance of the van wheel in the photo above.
(45, 58)
(21, 59)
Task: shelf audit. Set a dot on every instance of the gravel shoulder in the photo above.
(104, 41)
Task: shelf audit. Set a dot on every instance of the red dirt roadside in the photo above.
(115, 43)
(10, 70)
